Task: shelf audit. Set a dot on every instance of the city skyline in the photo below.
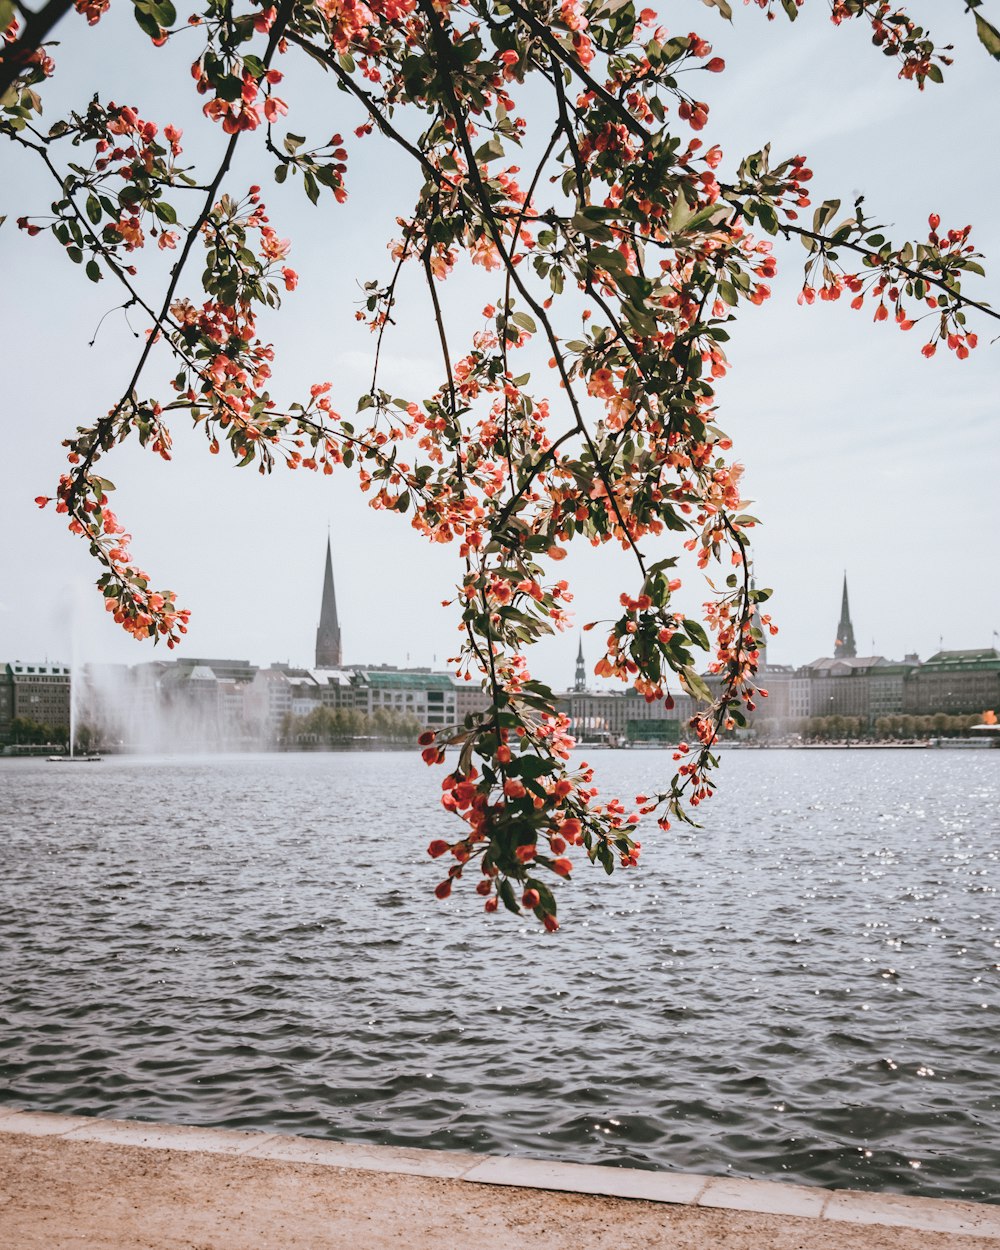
(210, 703)
(328, 648)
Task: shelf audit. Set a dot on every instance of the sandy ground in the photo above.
(59, 1194)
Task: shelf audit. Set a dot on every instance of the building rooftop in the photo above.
(19, 668)
(401, 679)
(952, 661)
(827, 663)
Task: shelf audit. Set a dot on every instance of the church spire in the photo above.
(328, 654)
(580, 683)
(845, 648)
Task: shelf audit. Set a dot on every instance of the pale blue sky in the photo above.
(859, 453)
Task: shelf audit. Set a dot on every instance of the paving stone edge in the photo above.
(679, 1188)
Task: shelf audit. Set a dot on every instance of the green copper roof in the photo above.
(386, 679)
(984, 659)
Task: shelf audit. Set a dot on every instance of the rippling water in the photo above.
(805, 988)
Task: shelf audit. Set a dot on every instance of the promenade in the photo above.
(77, 1181)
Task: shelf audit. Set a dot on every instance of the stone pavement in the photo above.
(77, 1181)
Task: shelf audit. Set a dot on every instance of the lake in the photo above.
(803, 989)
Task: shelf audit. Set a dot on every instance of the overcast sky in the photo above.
(860, 454)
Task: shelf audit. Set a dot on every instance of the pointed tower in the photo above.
(580, 684)
(328, 653)
(845, 648)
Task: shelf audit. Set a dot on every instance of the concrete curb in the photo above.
(683, 1188)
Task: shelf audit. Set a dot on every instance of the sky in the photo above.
(861, 456)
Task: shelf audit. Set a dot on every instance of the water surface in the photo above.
(804, 989)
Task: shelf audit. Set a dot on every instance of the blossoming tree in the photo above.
(621, 225)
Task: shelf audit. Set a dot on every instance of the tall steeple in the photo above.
(580, 684)
(845, 648)
(328, 654)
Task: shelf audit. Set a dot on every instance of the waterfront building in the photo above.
(622, 715)
(887, 686)
(328, 648)
(841, 685)
(955, 682)
(336, 688)
(470, 698)
(430, 697)
(39, 693)
(789, 696)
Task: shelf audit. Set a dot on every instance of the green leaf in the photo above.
(506, 892)
(93, 271)
(146, 22)
(681, 214)
(164, 12)
(94, 209)
(530, 766)
(492, 150)
(524, 321)
(768, 218)
(824, 213)
(695, 686)
(989, 36)
(728, 293)
(697, 635)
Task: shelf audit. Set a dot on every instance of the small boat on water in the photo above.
(74, 759)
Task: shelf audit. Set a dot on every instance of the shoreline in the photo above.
(128, 1185)
(860, 744)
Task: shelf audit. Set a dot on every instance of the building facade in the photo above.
(956, 682)
(35, 694)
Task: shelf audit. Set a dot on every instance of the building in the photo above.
(844, 648)
(430, 697)
(36, 693)
(620, 715)
(580, 681)
(887, 686)
(228, 704)
(328, 649)
(955, 682)
(470, 699)
(842, 685)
